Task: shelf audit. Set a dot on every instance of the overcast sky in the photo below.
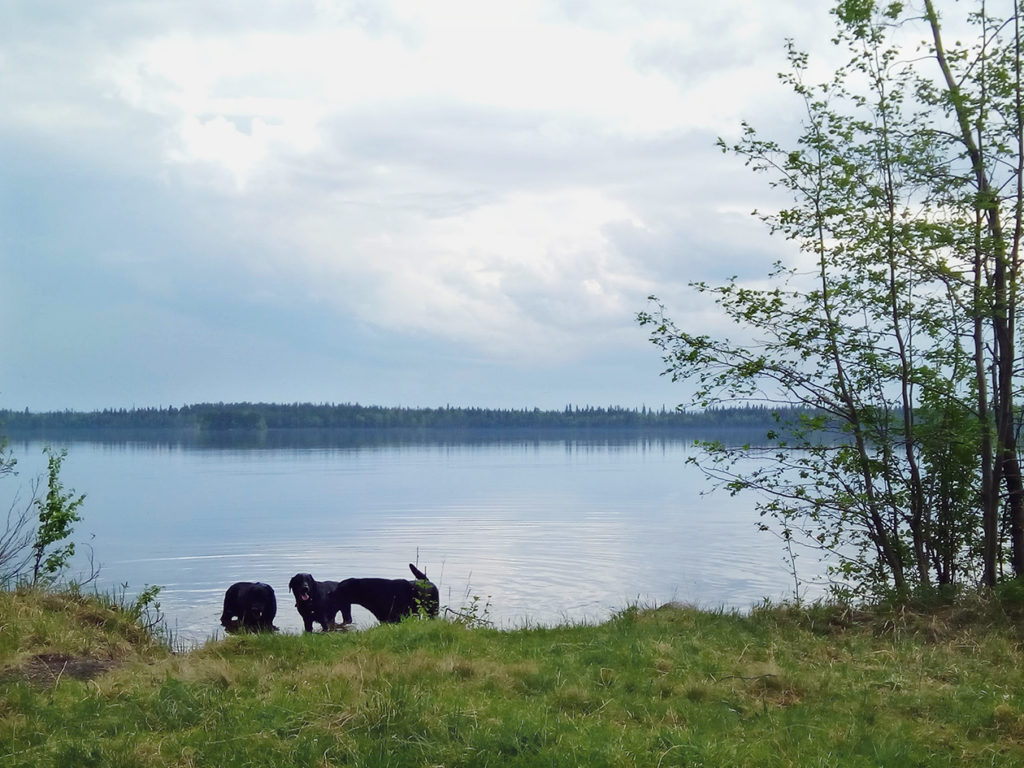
(384, 202)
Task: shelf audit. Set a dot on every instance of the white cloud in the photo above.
(400, 229)
(514, 58)
(519, 276)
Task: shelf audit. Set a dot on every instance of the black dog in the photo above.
(249, 605)
(314, 600)
(390, 600)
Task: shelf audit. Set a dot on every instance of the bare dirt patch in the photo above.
(49, 668)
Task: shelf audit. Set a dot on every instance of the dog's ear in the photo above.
(294, 582)
(417, 572)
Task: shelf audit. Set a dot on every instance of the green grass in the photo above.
(666, 687)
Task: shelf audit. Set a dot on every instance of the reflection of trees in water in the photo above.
(363, 438)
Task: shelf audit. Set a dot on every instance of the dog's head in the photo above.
(424, 593)
(301, 586)
(261, 600)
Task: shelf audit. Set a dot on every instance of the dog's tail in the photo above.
(417, 572)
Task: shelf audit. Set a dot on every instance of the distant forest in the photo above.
(223, 417)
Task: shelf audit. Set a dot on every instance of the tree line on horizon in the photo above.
(214, 417)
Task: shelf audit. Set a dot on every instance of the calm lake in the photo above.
(542, 529)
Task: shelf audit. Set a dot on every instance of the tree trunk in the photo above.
(1002, 316)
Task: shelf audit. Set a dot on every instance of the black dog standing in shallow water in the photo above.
(314, 600)
(249, 605)
(389, 600)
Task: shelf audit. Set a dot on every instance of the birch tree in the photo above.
(893, 325)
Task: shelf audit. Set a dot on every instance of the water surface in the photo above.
(540, 530)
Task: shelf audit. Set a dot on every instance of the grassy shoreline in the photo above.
(81, 683)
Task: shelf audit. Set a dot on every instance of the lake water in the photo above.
(542, 530)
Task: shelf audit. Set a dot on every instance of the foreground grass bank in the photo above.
(82, 685)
